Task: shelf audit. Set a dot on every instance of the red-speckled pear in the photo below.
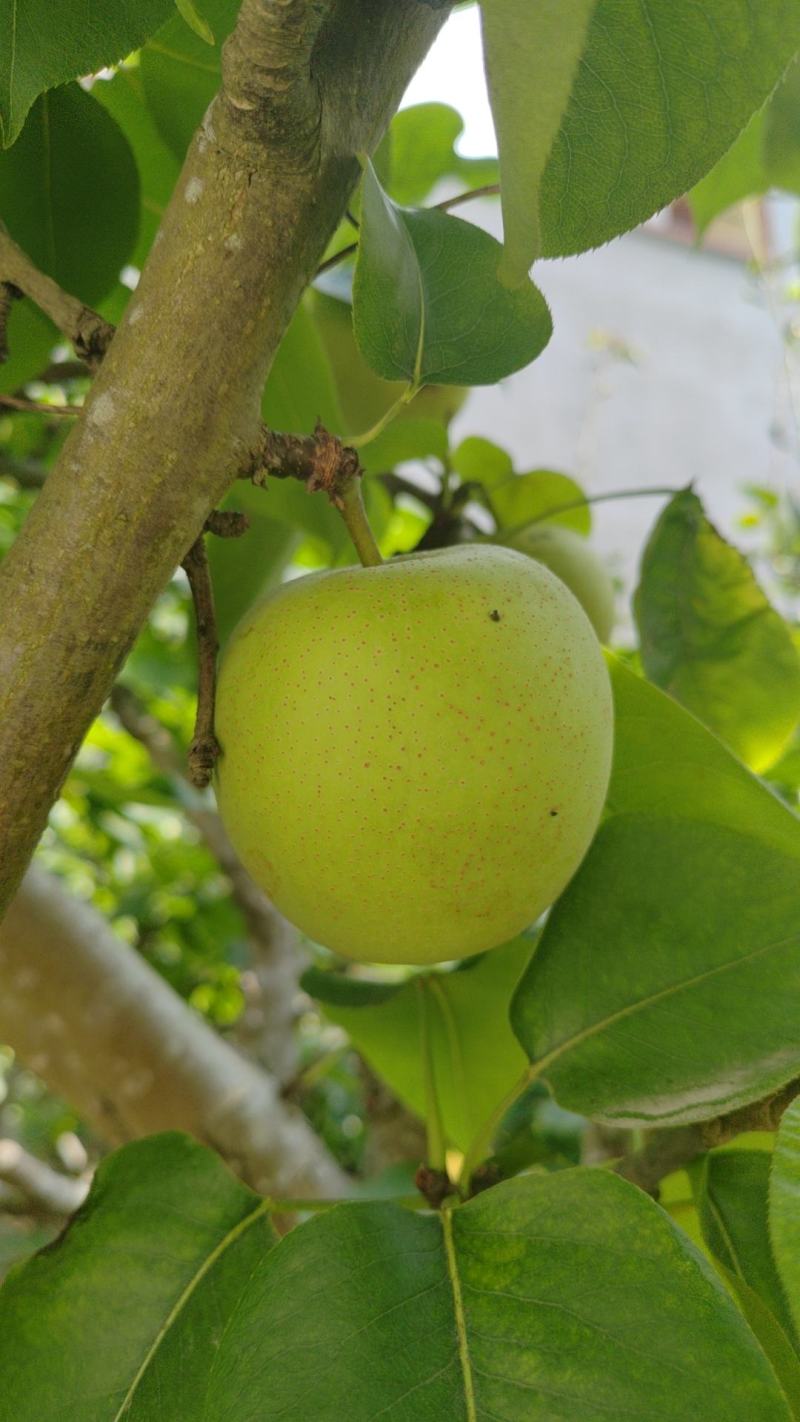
(415, 756)
(575, 562)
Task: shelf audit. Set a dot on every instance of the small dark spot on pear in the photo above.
(553, 812)
(495, 616)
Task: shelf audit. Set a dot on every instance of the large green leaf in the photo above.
(661, 91)
(39, 49)
(181, 72)
(476, 1058)
(666, 983)
(69, 195)
(543, 1300)
(157, 1253)
(733, 1208)
(784, 1207)
(427, 302)
(124, 98)
(711, 638)
(531, 54)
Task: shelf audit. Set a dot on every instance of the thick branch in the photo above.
(266, 1028)
(89, 333)
(174, 410)
(94, 1020)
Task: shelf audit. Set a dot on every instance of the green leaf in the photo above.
(661, 92)
(181, 72)
(739, 174)
(427, 303)
(476, 1058)
(733, 1208)
(528, 498)
(188, 11)
(547, 1299)
(710, 637)
(782, 133)
(69, 194)
(123, 97)
(772, 1338)
(479, 461)
(422, 150)
(93, 1324)
(36, 54)
(531, 55)
(665, 984)
(784, 1207)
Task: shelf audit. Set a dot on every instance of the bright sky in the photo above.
(453, 74)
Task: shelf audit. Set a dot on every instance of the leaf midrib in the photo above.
(458, 1308)
(538, 1067)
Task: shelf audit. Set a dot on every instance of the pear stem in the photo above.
(351, 506)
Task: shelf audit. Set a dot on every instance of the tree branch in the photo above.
(266, 1028)
(44, 1191)
(89, 333)
(669, 1150)
(102, 1029)
(174, 410)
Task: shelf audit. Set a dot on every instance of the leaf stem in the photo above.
(655, 492)
(482, 1141)
(433, 1116)
(351, 506)
(358, 441)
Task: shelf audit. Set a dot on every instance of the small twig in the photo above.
(322, 462)
(89, 332)
(227, 523)
(34, 407)
(46, 1191)
(205, 748)
(488, 190)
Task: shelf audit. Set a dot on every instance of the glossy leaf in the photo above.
(95, 1325)
(733, 1206)
(428, 306)
(782, 133)
(189, 12)
(518, 1305)
(531, 55)
(37, 54)
(711, 638)
(69, 194)
(666, 983)
(784, 1208)
(181, 72)
(476, 1057)
(697, 72)
(774, 1341)
(123, 97)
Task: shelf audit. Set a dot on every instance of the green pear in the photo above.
(575, 562)
(415, 756)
